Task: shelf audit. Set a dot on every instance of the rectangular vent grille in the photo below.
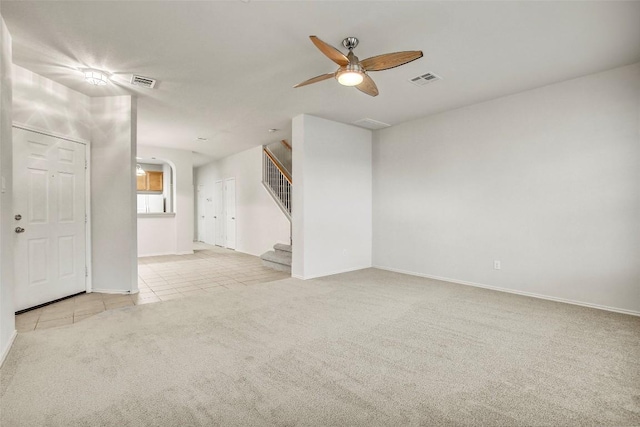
(424, 79)
(371, 124)
(143, 81)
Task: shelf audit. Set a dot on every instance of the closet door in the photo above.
(230, 211)
(218, 217)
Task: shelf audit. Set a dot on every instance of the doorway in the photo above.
(219, 214)
(206, 216)
(230, 211)
(224, 208)
(200, 207)
(49, 200)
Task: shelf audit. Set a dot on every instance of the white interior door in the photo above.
(230, 211)
(200, 212)
(210, 221)
(49, 205)
(218, 217)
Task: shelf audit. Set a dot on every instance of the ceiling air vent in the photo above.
(147, 82)
(371, 124)
(424, 79)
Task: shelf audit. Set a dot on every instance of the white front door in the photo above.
(230, 211)
(49, 206)
(200, 208)
(219, 213)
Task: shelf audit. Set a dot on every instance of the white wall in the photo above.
(546, 181)
(157, 235)
(113, 194)
(43, 104)
(7, 319)
(331, 206)
(259, 222)
(179, 238)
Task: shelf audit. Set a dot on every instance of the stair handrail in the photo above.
(286, 144)
(278, 165)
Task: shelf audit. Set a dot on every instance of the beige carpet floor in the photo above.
(366, 348)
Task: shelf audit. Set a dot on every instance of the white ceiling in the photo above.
(226, 69)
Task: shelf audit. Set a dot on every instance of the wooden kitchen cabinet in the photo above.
(150, 181)
(154, 181)
(141, 182)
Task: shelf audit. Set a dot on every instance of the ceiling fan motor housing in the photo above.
(350, 43)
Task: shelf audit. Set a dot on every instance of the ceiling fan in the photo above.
(352, 71)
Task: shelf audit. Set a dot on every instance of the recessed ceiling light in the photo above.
(273, 130)
(95, 77)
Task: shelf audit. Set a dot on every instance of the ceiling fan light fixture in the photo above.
(352, 71)
(351, 75)
(95, 77)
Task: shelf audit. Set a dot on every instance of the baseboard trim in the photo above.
(111, 291)
(158, 254)
(5, 352)
(512, 291)
(332, 273)
(165, 253)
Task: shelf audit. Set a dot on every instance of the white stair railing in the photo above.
(281, 150)
(277, 180)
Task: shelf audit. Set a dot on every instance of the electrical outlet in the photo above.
(496, 265)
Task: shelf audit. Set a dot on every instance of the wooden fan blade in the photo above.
(316, 79)
(330, 52)
(390, 60)
(368, 86)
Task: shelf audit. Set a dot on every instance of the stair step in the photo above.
(281, 247)
(283, 258)
(276, 266)
(280, 261)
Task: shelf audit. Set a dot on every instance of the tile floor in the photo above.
(161, 278)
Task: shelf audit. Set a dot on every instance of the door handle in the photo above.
(19, 230)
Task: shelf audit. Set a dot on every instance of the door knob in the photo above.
(19, 230)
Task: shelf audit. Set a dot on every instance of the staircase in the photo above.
(279, 258)
(276, 179)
